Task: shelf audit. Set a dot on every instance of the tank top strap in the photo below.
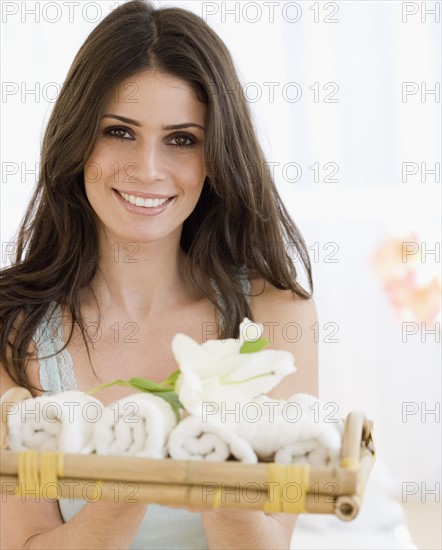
(245, 283)
(56, 372)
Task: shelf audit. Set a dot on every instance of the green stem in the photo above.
(107, 385)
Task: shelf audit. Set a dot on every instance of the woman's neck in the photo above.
(140, 279)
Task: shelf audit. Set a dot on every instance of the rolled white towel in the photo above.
(313, 451)
(319, 440)
(63, 422)
(138, 425)
(193, 439)
(296, 430)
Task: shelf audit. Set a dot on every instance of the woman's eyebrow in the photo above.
(169, 127)
(183, 125)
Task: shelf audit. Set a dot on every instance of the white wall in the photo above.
(367, 54)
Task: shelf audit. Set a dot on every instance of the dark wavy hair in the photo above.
(239, 220)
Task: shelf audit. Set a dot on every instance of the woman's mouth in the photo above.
(146, 203)
(143, 205)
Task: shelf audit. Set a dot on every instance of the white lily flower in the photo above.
(216, 372)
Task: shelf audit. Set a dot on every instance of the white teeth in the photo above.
(138, 201)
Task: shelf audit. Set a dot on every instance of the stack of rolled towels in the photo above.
(299, 430)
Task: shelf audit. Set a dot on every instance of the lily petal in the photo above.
(260, 372)
(250, 331)
(189, 354)
(222, 348)
(216, 371)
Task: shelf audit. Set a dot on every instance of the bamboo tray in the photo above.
(204, 485)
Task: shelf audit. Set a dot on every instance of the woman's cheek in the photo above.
(106, 168)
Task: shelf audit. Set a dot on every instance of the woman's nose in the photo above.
(147, 166)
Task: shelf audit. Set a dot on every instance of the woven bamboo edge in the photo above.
(230, 485)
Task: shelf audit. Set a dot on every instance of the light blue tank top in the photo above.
(162, 527)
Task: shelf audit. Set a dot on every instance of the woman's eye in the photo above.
(183, 141)
(117, 133)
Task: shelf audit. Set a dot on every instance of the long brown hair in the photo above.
(239, 221)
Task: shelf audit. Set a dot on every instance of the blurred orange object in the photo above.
(414, 291)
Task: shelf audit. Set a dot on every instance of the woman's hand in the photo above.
(245, 529)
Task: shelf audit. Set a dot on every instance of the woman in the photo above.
(154, 214)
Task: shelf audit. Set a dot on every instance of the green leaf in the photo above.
(171, 380)
(252, 347)
(172, 398)
(143, 384)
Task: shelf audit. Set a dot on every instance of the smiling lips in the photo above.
(146, 202)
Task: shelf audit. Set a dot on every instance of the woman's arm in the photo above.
(38, 524)
(97, 525)
(289, 325)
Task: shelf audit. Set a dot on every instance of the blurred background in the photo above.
(346, 102)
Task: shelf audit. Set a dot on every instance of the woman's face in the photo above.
(146, 172)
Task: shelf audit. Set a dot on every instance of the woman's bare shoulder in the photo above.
(269, 301)
(290, 323)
